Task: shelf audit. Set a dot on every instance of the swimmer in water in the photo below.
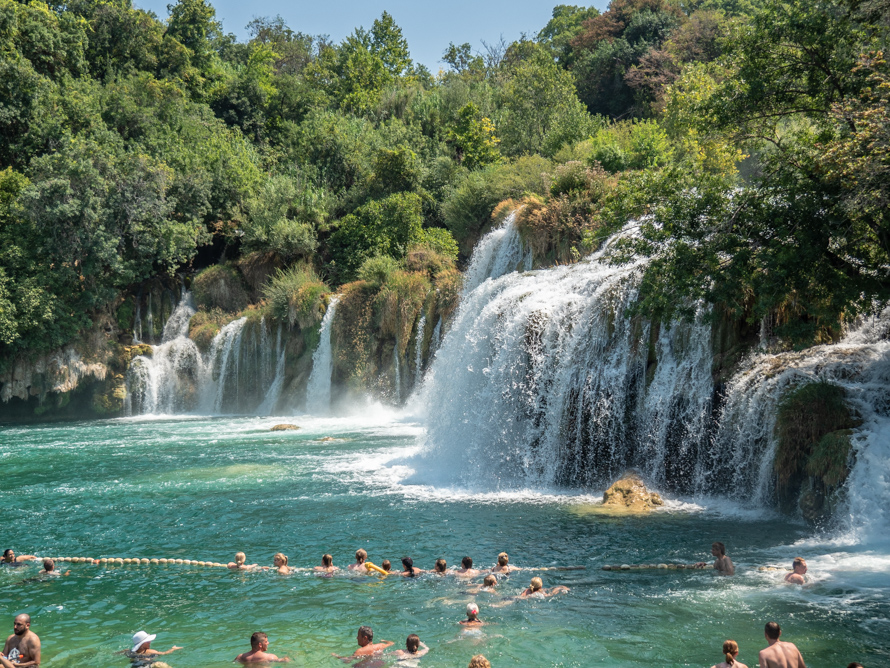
(22, 648)
(722, 564)
(280, 561)
(536, 589)
(239, 564)
(504, 565)
(479, 661)
(359, 566)
(259, 643)
(472, 616)
(466, 569)
(9, 558)
(49, 568)
(386, 565)
(488, 586)
(730, 652)
(441, 567)
(408, 568)
(366, 644)
(799, 570)
(414, 649)
(327, 565)
(778, 653)
(141, 654)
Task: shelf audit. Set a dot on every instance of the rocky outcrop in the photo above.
(284, 427)
(60, 372)
(630, 493)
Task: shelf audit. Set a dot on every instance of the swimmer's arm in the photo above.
(169, 651)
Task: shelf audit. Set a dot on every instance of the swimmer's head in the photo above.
(772, 630)
(503, 559)
(490, 581)
(718, 549)
(279, 559)
(479, 661)
(441, 565)
(360, 556)
(730, 651)
(8, 555)
(408, 564)
(472, 610)
(537, 584)
(257, 639)
(327, 560)
(412, 644)
(48, 565)
(799, 565)
(365, 635)
(240, 558)
(466, 562)
(386, 565)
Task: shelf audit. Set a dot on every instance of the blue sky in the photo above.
(428, 27)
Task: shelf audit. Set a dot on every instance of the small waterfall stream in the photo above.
(318, 390)
(499, 252)
(418, 351)
(270, 401)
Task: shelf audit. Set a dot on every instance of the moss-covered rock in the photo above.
(630, 493)
(220, 287)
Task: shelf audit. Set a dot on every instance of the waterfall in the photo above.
(150, 321)
(499, 252)
(270, 401)
(318, 391)
(137, 320)
(418, 352)
(225, 366)
(397, 372)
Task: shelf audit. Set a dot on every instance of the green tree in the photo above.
(472, 136)
(567, 24)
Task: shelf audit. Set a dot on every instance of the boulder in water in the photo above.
(629, 493)
(284, 427)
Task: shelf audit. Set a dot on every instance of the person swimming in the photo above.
(360, 558)
(386, 565)
(49, 568)
(798, 571)
(9, 558)
(503, 565)
(466, 569)
(408, 568)
(472, 616)
(488, 586)
(441, 567)
(479, 661)
(536, 589)
(280, 564)
(366, 644)
(141, 654)
(327, 565)
(414, 649)
(259, 643)
(722, 563)
(730, 652)
(239, 564)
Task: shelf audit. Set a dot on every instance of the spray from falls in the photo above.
(318, 391)
(499, 252)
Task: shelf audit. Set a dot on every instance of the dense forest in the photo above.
(749, 138)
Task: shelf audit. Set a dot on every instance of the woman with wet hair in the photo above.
(730, 652)
(409, 570)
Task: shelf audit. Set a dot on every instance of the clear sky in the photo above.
(427, 26)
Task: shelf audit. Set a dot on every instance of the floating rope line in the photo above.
(640, 567)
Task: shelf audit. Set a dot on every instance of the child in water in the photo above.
(414, 649)
(239, 564)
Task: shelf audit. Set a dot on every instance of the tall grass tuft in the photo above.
(296, 296)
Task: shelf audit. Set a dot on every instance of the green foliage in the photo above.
(220, 287)
(473, 138)
(567, 24)
(205, 325)
(297, 296)
(283, 218)
(830, 460)
(440, 241)
(377, 270)
(468, 206)
(381, 227)
(630, 145)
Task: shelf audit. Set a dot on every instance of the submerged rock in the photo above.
(630, 493)
(284, 427)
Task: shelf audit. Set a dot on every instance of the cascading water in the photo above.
(499, 252)
(225, 367)
(273, 395)
(318, 391)
(418, 352)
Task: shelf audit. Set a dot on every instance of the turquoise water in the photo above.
(206, 488)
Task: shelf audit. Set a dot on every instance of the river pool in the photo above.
(204, 488)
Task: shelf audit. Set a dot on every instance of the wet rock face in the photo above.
(284, 427)
(630, 493)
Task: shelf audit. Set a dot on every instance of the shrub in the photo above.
(831, 458)
(205, 325)
(219, 287)
(439, 240)
(630, 145)
(296, 296)
(428, 260)
(377, 270)
(399, 302)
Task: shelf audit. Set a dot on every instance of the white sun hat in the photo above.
(140, 638)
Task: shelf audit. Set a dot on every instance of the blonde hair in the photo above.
(490, 581)
(360, 556)
(240, 557)
(502, 561)
(479, 661)
(280, 555)
(730, 649)
(537, 583)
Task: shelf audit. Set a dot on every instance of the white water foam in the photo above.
(318, 391)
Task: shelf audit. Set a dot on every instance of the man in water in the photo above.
(366, 644)
(9, 558)
(779, 654)
(799, 569)
(259, 643)
(504, 565)
(22, 648)
(466, 569)
(359, 566)
(49, 568)
(386, 565)
(472, 616)
(414, 649)
(722, 564)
